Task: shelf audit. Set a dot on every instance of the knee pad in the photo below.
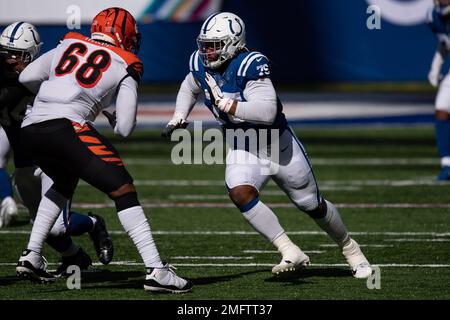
(125, 201)
(319, 212)
(307, 202)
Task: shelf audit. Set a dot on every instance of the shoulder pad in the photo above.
(136, 70)
(194, 62)
(254, 66)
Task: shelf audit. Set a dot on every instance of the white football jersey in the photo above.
(81, 78)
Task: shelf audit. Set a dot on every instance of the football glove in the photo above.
(217, 97)
(111, 118)
(434, 78)
(176, 123)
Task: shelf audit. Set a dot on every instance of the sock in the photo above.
(283, 243)
(136, 225)
(63, 244)
(80, 224)
(48, 212)
(443, 137)
(5, 184)
(262, 219)
(332, 224)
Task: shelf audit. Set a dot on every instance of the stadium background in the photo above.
(315, 47)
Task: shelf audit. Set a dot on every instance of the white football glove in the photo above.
(222, 103)
(177, 122)
(434, 78)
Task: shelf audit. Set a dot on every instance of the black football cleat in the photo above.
(80, 259)
(33, 266)
(102, 242)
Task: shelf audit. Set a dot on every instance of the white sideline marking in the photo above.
(315, 161)
(274, 251)
(418, 240)
(431, 181)
(361, 245)
(217, 265)
(156, 205)
(251, 233)
(212, 258)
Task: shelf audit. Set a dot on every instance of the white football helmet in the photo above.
(222, 35)
(443, 6)
(20, 41)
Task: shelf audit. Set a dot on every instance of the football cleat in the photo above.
(444, 175)
(361, 268)
(164, 280)
(80, 259)
(33, 266)
(102, 242)
(293, 260)
(8, 211)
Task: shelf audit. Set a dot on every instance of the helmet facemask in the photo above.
(15, 59)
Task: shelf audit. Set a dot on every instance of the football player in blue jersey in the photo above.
(239, 92)
(439, 21)
(20, 45)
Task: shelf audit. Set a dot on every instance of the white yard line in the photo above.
(274, 251)
(251, 233)
(330, 245)
(417, 240)
(315, 161)
(218, 265)
(212, 258)
(349, 183)
(229, 205)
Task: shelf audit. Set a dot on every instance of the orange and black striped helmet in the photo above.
(116, 26)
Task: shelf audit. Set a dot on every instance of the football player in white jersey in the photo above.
(239, 92)
(74, 82)
(20, 45)
(439, 22)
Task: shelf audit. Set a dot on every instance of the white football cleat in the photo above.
(33, 266)
(8, 211)
(361, 268)
(293, 259)
(164, 280)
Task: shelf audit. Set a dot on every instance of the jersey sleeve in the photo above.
(255, 66)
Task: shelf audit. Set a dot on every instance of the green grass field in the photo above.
(383, 181)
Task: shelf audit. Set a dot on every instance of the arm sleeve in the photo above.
(37, 72)
(261, 104)
(187, 96)
(126, 107)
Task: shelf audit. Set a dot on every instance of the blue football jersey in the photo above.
(440, 25)
(245, 67)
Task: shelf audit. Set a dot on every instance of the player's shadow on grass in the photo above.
(215, 279)
(311, 272)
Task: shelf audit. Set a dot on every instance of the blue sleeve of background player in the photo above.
(436, 22)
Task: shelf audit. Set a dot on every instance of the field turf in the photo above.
(381, 179)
